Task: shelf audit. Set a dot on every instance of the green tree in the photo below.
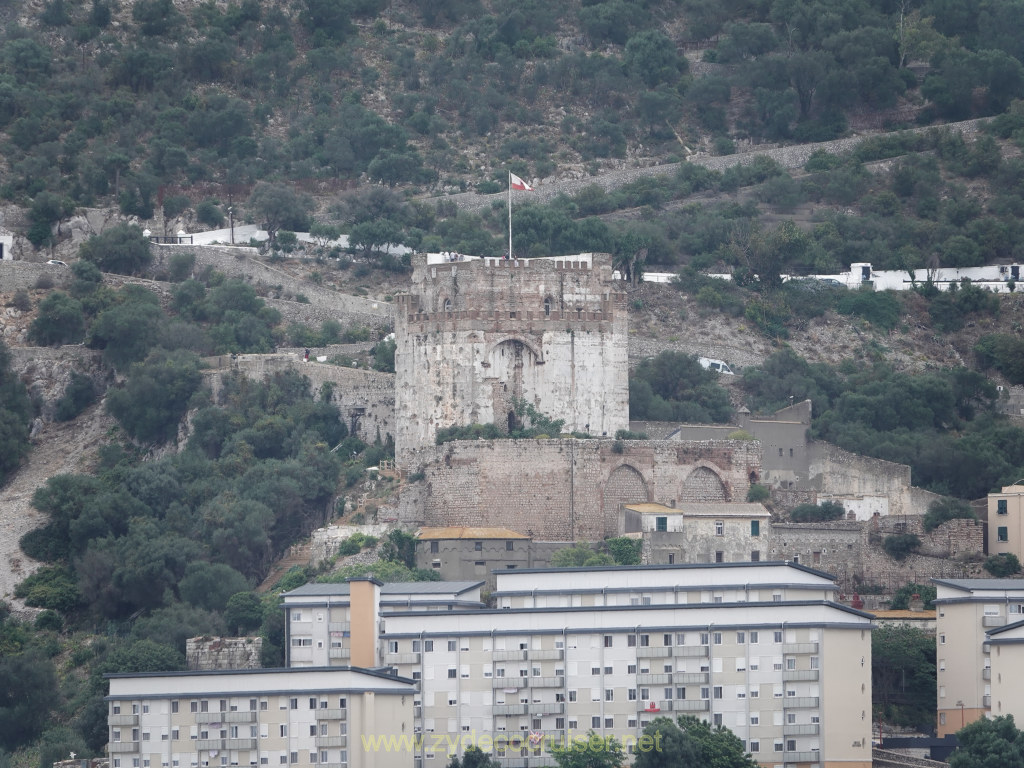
(899, 545)
(594, 752)
(1003, 565)
(816, 513)
(474, 757)
(691, 742)
(624, 550)
(903, 676)
(653, 58)
(156, 395)
(987, 743)
(128, 330)
(121, 249)
(674, 387)
(210, 585)
(279, 207)
(28, 692)
(243, 612)
(59, 321)
(47, 209)
(580, 555)
(946, 509)
(15, 416)
(901, 597)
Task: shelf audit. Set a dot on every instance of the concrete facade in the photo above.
(476, 336)
(568, 489)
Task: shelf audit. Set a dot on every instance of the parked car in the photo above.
(57, 262)
(710, 364)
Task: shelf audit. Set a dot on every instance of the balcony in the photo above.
(339, 653)
(799, 648)
(660, 679)
(691, 651)
(509, 709)
(690, 677)
(806, 729)
(993, 621)
(122, 719)
(203, 744)
(508, 682)
(331, 714)
(791, 675)
(118, 747)
(548, 708)
(986, 701)
(653, 653)
(812, 756)
(332, 765)
(986, 673)
(417, 712)
(690, 705)
(323, 742)
(547, 682)
(510, 655)
(401, 658)
(801, 702)
(553, 654)
(339, 626)
(247, 716)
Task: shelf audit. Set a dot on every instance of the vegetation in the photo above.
(946, 509)
(899, 545)
(690, 741)
(903, 676)
(901, 597)
(989, 741)
(817, 513)
(530, 423)
(15, 416)
(1002, 565)
(674, 387)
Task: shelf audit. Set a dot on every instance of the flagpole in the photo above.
(510, 214)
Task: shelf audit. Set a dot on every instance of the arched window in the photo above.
(447, 305)
(547, 306)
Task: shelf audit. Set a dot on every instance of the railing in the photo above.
(547, 682)
(802, 757)
(800, 702)
(401, 658)
(700, 651)
(805, 729)
(322, 742)
(691, 705)
(510, 709)
(218, 744)
(553, 654)
(122, 720)
(508, 682)
(339, 653)
(986, 701)
(986, 673)
(653, 653)
(801, 648)
(791, 675)
(510, 655)
(690, 677)
(548, 708)
(339, 626)
(247, 716)
(993, 621)
(656, 679)
(116, 747)
(331, 714)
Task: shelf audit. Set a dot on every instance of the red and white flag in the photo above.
(514, 182)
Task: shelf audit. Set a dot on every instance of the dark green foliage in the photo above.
(121, 249)
(243, 612)
(758, 493)
(129, 329)
(580, 555)
(156, 395)
(474, 757)
(400, 547)
(208, 212)
(949, 310)
(1003, 352)
(624, 550)
(946, 509)
(989, 742)
(15, 416)
(1002, 565)
(53, 588)
(384, 356)
(278, 207)
(816, 513)
(47, 209)
(878, 308)
(28, 692)
(899, 545)
(674, 387)
(903, 676)
(901, 597)
(690, 741)
(59, 321)
(180, 266)
(210, 585)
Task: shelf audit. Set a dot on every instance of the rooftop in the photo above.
(390, 589)
(970, 585)
(466, 532)
(703, 509)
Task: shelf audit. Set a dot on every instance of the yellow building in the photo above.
(1006, 521)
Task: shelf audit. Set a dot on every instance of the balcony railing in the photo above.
(691, 705)
(323, 742)
(801, 702)
(658, 679)
(547, 682)
(510, 709)
(331, 714)
(699, 651)
(247, 716)
(401, 658)
(812, 756)
(804, 729)
(791, 675)
(799, 648)
(339, 653)
(986, 673)
(510, 655)
(339, 626)
(548, 708)
(653, 653)
(993, 621)
(552, 654)
(122, 719)
(218, 744)
(690, 677)
(117, 747)
(508, 682)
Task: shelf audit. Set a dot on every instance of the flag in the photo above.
(514, 182)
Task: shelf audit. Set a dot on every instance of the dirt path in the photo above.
(57, 448)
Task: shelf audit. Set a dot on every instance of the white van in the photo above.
(710, 364)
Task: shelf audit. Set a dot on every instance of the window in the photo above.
(174, 707)
(434, 548)
(667, 668)
(791, 745)
(755, 527)
(790, 663)
(755, 693)
(1001, 507)
(428, 646)
(753, 638)
(608, 641)
(755, 556)
(719, 558)
(704, 638)
(631, 641)
(510, 546)
(451, 645)
(607, 671)
(392, 646)
(741, 638)
(645, 641)
(680, 638)
(777, 746)
(631, 694)
(717, 719)
(755, 746)
(478, 546)
(595, 670)
(283, 730)
(609, 694)
(719, 528)
(681, 692)
(705, 692)
(572, 695)
(942, 639)
(312, 702)
(671, 561)
(452, 673)
(631, 669)
(718, 691)
(717, 638)
(661, 523)
(755, 718)
(609, 722)
(595, 721)
(1001, 533)
(666, 639)
(778, 637)
(293, 703)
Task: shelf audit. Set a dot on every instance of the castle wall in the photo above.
(475, 336)
(566, 489)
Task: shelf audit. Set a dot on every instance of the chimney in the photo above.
(916, 603)
(364, 612)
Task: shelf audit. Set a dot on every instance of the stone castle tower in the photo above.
(475, 335)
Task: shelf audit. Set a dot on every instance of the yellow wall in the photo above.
(846, 697)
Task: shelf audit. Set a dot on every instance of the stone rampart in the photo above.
(18, 275)
(218, 653)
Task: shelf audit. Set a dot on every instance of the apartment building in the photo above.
(294, 717)
(1006, 521)
(969, 613)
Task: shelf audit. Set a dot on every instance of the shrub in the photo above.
(816, 513)
(946, 509)
(60, 321)
(78, 395)
(180, 266)
(901, 597)
(1002, 565)
(625, 434)
(21, 301)
(899, 545)
(43, 283)
(758, 493)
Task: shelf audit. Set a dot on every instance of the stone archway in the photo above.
(703, 484)
(625, 486)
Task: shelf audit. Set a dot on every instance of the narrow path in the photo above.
(57, 448)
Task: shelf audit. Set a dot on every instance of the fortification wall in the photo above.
(18, 275)
(365, 398)
(837, 473)
(217, 653)
(566, 489)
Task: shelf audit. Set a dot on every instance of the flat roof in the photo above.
(904, 614)
(388, 588)
(970, 585)
(467, 532)
(678, 567)
(703, 509)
